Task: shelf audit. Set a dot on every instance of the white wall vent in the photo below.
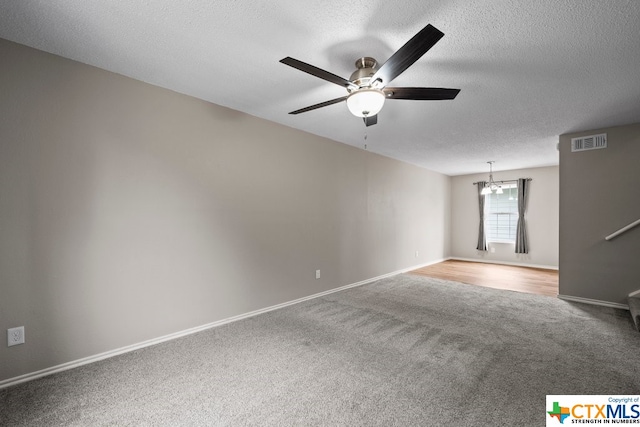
(591, 142)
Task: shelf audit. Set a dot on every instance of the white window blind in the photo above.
(501, 214)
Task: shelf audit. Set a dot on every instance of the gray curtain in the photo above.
(522, 245)
(482, 238)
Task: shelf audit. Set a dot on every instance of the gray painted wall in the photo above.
(128, 212)
(542, 218)
(599, 195)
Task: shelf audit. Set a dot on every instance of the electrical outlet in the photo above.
(15, 336)
(317, 274)
(416, 254)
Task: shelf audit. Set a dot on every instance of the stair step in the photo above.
(634, 308)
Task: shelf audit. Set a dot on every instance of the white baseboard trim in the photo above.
(415, 267)
(634, 293)
(97, 357)
(593, 302)
(517, 264)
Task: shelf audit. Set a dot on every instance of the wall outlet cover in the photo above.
(15, 336)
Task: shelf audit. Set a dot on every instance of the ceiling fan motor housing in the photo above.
(366, 68)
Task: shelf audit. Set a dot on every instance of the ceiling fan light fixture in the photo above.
(365, 102)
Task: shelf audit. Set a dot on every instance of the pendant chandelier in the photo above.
(491, 186)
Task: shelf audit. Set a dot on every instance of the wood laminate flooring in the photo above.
(522, 279)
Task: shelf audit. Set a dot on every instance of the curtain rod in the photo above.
(502, 182)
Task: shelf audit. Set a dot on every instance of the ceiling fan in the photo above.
(367, 86)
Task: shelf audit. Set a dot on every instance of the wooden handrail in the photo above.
(622, 230)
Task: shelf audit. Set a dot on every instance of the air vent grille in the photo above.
(591, 142)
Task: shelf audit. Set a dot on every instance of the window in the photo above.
(501, 214)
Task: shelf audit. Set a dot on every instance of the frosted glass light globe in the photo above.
(365, 102)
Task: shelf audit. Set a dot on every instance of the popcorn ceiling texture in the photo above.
(528, 71)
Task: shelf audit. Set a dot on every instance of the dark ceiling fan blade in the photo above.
(370, 121)
(420, 93)
(316, 106)
(318, 72)
(408, 54)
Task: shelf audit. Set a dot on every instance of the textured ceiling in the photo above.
(528, 70)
